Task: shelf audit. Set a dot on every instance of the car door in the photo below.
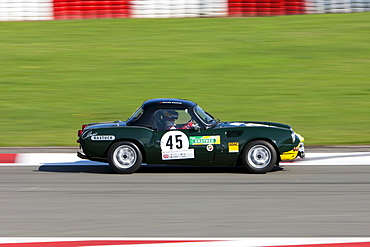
(182, 143)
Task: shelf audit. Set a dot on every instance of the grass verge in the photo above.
(310, 71)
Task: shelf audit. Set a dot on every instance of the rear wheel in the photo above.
(259, 156)
(124, 157)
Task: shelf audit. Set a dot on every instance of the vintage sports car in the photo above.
(176, 131)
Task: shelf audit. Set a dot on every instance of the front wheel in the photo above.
(259, 156)
(124, 157)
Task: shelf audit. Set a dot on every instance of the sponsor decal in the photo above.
(209, 147)
(88, 134)
(103, 138)
(204, 140)
(171, 102)
(233, 147)
(178, 154)
(175, 145)
(96, 137)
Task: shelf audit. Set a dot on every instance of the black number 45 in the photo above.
(178, 142)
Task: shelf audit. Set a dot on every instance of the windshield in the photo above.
(204, 116)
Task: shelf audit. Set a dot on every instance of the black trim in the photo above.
(88, 157)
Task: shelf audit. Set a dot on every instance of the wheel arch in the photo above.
(240, 162)
(136, 142)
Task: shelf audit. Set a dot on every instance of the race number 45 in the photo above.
(178, 141)
(173, 140)
(175, 145)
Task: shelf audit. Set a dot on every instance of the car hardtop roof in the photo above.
(168, 103)
(149, 107)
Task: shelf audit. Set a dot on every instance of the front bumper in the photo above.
(298, 151)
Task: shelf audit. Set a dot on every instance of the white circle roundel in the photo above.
(174, 140)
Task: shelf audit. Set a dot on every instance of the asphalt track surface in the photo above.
(157, 201)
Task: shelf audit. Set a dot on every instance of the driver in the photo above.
(170, 116)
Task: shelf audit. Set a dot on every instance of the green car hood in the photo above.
(253, 124)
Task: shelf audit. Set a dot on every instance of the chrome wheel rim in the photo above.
(124, 156)
(259, 156)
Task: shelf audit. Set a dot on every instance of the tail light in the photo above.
(79, 133)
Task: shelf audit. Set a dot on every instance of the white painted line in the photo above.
(42, 158)
(71, 159)
(329, 159)
(52, 159)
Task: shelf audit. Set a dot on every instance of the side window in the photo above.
(137, 114)
(184, 118)
(168, 119)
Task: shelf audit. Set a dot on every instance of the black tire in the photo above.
(124, 157)
(259, 156)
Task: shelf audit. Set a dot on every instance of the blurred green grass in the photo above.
(309, 71)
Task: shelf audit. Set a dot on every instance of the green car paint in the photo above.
(203, 140)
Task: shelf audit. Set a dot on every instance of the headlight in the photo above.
(293, 137)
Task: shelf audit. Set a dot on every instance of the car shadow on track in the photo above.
(76, 167)
(82, 167)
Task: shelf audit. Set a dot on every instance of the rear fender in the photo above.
(136, 142)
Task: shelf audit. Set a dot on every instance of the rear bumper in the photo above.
(84, 156)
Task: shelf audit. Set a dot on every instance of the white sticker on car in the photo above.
(209, 147)
(175, 145)
(178, 154)
(103, 138)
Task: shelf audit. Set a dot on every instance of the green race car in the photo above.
(176, 131)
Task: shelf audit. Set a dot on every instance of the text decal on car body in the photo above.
(96, 137)
(233, 147)
(204, 140)
(103, 138)
(175, 145)
(88, 134)
(178, 154)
